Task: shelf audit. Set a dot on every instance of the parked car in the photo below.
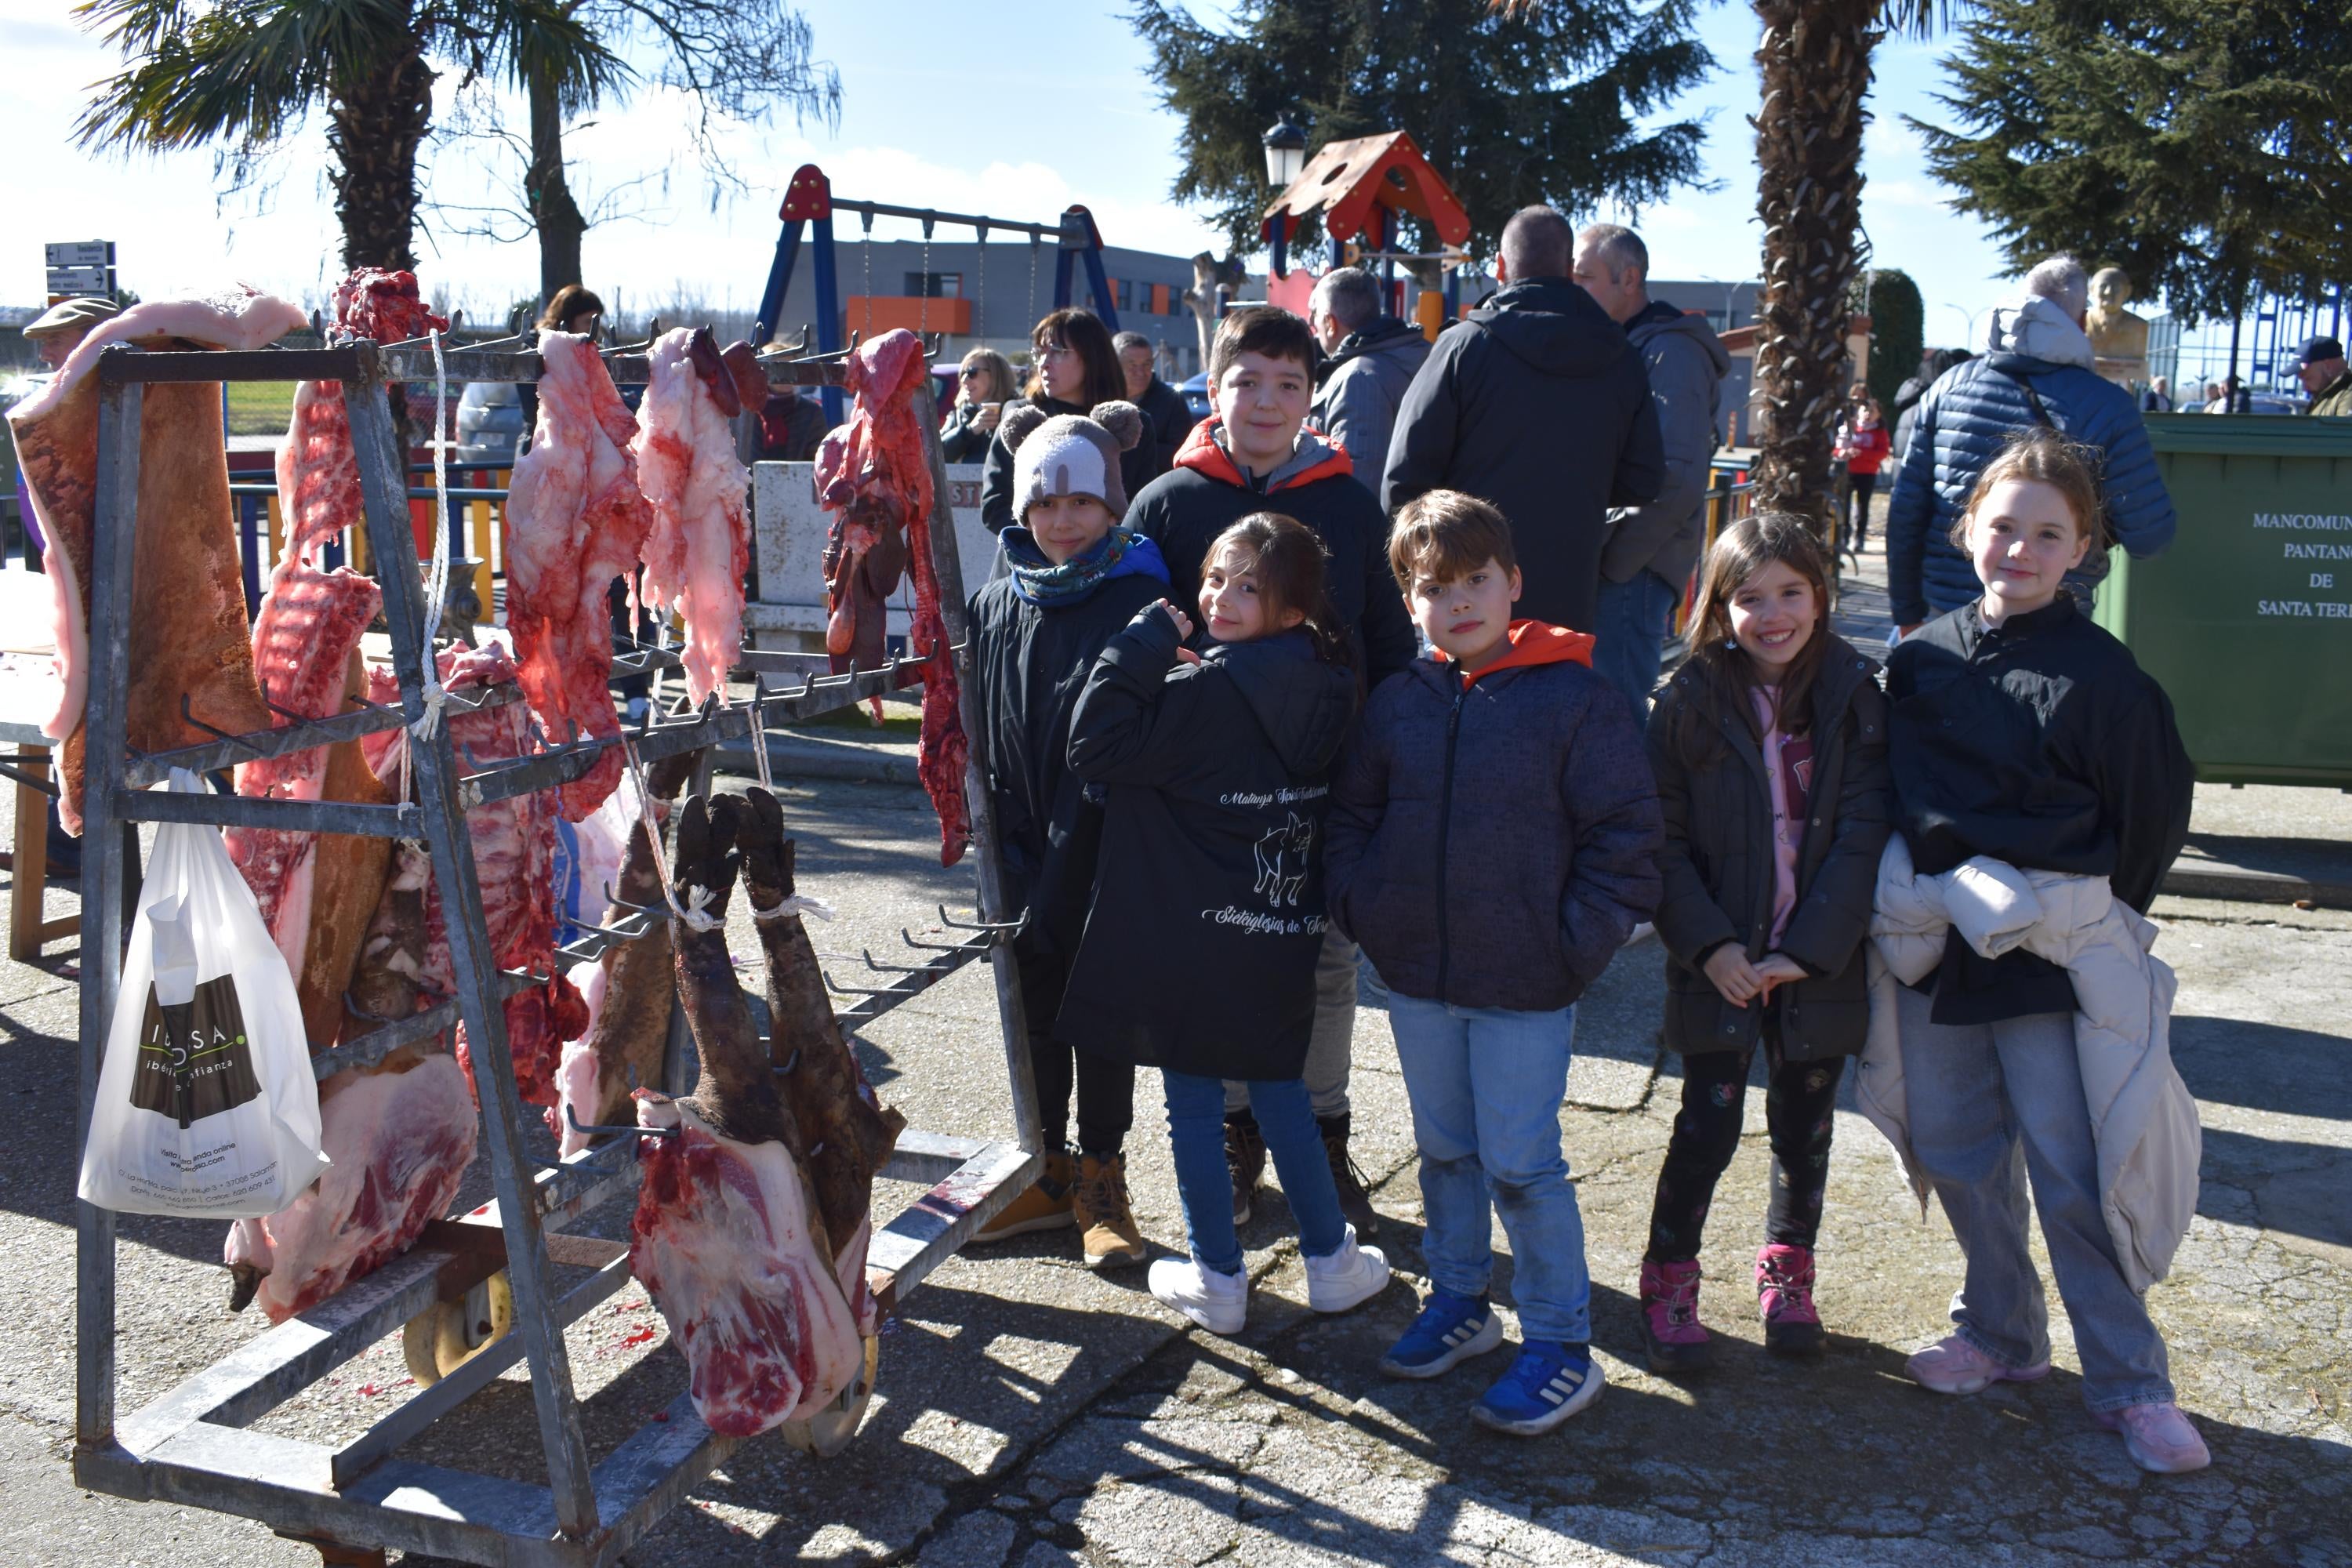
(1196, 397)
(489, 423)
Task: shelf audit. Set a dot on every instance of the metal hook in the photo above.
(218, 735)
(840, 990)
(790, 1065)
(893, 968)
(573, 1121)
(953, 924)
(615, 899)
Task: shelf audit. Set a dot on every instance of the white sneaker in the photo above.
(1347, 1277)
(1218, 1303)
(1643, 932)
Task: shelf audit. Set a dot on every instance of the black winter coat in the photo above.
(1029, 664)
(1135, 470)
(1185, 510)
(1717, 865)
(1167, 420)
(1493, 846)
(1538, 403)
(2042, 744)
(959, 440)
(1207, 918)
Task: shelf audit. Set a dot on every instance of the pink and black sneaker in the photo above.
(1784, 1289)
(1670, 1331)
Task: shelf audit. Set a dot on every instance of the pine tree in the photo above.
(2198, 144)
(1546, 106)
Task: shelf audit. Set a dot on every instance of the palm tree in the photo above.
(1814, 61)
(248, 72)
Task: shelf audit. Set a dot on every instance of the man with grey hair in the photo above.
(1373, 357)
(1166, 420)
(2036, 370)
(1537, 405)
(1650, 549)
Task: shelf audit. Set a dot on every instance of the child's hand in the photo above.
(1778, 969)
(1184, 632)
(1727, 969)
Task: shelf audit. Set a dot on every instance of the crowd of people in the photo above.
(1262, 726)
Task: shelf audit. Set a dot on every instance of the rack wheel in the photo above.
(438, 1340)
(829, 1431)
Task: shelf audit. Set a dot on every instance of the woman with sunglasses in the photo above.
(982, 385)
(1072, 367)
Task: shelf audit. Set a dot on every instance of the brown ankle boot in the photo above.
(1245, 1161)
(1355, 1203)
(1106, 1223)
(1045, 1207)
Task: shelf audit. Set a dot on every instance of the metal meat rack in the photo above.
(196, 1445)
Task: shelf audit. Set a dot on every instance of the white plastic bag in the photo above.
(206, 1105)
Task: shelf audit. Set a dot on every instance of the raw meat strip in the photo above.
(514, 862)
(874, 471)
(188, 631)
(842, 1124)
(317, 471)
(576, 521)
(698, 550)
(313, 889)
(721, 1241)
(728, 1237)
(400, 1137)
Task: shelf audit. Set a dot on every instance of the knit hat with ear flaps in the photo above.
(1070, 454)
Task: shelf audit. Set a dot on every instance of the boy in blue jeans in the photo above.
(1492, 839)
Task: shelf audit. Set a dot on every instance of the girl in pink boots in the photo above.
(1769, 747)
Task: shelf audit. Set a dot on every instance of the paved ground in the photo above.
(1032, 1414)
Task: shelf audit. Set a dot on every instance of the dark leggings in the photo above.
(1105, 1090)
(1799, 1105)
(1857, 516)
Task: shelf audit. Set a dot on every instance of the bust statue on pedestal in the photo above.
(2118, 338)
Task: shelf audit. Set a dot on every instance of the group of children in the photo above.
(1219, 765)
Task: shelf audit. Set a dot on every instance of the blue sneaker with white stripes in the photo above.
(1547, 1384)
(1449, 1332)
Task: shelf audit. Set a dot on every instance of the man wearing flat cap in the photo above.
(2325, 378)
(61, 327)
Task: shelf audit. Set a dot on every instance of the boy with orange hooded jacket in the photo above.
(1492, 840)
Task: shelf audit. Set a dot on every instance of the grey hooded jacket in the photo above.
(1687, 362)
(1357, 404)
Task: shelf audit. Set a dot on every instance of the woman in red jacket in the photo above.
(1865, 444)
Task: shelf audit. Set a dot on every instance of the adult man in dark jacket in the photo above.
(2321, 371)
(1650, 549)
(2037, 372)
(1373, 358)
(1537, 405)
(1166, 420)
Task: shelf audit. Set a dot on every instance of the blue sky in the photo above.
(949, 124)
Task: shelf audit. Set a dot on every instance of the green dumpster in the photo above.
(2247, 618)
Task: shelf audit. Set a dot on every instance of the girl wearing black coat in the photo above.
(1199, 947)
(1770, 748)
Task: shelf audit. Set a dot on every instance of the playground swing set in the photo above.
(808, 209)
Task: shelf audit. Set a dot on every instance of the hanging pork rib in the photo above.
(187, 632)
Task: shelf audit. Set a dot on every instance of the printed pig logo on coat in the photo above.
(1282, 861)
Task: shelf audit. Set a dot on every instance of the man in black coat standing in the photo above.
(1537, 405)
(1166, 419)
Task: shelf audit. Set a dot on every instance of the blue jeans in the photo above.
(1196, 1127)
(1486, 1085)
(1330, 1049)
(1993, 1108)
(1630, 622)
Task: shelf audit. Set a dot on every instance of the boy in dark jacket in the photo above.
(1493, 841)
(1075, 580)
(1253, 454)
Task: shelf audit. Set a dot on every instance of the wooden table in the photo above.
(27, 698)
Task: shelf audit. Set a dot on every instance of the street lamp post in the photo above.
(1730, 293)
(1285, 154)
(1968, 325)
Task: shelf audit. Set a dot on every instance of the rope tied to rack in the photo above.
(436, 579)
(797, 903)
(695, 911)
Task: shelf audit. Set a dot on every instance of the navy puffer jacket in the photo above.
(1493, 842)
(1962, 421)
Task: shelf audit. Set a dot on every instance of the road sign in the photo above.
(81, 267)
